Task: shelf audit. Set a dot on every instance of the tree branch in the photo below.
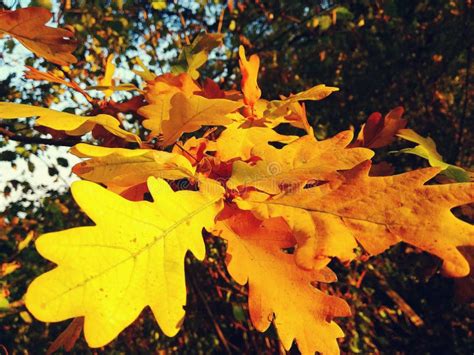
(37, 140)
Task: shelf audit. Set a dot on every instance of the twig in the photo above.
(37, 140)
(186, 152)
(397, 299)
(219, 332)
(183, 23)
(221, 20)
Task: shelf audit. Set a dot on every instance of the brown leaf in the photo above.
(27, 25)
(68, 338)
(380, 131)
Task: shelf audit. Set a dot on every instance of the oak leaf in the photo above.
(279, 291)
(73, 125)
(128, 167)
(27, 25)
(426, 149)
(132, 258)
(297, 163)
(107, 84)
(187, 114)
(68, 338)
(380, 131)
(106, 80)
(279, 108)
(378, 212)
(249, 69)
(297, 117)
(55, 76)
(195, 55)
(170, 84)
(235, 142)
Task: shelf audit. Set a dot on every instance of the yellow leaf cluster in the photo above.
(212, 160)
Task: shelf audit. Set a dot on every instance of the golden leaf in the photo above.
(378, 212)
(73, 125)
(132, 258)
(297, 163)
(279, 291)
(128, 167)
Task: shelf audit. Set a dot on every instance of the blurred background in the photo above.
(380, 53)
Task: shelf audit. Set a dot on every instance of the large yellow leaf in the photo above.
(297, 163)
(426, 149)
(73, 125)
(279, 291)
(132, 258)
(378, 212)
(236, 142)
(188, 114)
(128, 167)
(28, 26)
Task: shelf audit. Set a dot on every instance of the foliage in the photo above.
(319, 195)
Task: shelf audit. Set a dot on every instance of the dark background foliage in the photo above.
(381, 54)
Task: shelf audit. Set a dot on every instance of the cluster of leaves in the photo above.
(285, 205)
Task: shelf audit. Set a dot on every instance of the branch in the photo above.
(37, 140)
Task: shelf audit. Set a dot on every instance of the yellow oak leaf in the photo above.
(280, 291)
(156, 113)
(145, 73)
(297, 163)
(249, 69)
(109, 73)
(426, 149)
(169, 84)
(132, 258)
(188, 114)
(378, 212)
(297, 117)
(279, 108)
(236, 142)
(27, 25)
(73, 125)
(127, 167)
(106, 83)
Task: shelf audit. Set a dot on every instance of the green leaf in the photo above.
(426, 149)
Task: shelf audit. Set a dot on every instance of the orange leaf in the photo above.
(279, 291)
(378, 212)
(169, 84)
(249, 69)
(51, 77)
(28, 26)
